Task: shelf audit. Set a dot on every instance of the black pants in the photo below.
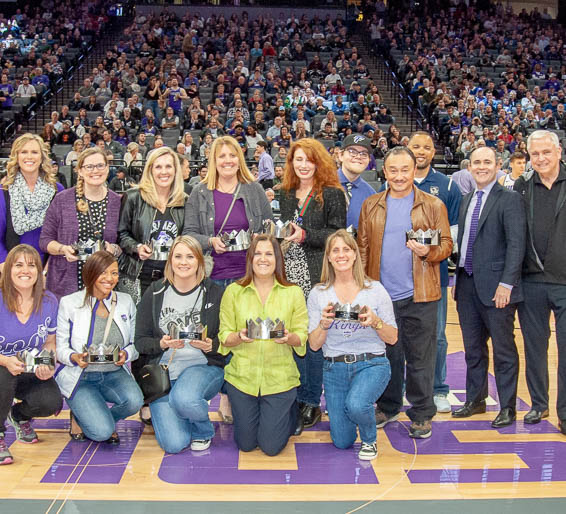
(39, 398)
(534, 314)
(264, 421)
(478, 324)
(415, 347)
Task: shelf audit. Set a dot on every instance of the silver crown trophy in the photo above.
(347, 311)
(277, 229)
(102, 353)
(85, 249)
(428, 237)
(32, 359)
(159, 252)
(186, 330)
(265, 328)
(237, 241)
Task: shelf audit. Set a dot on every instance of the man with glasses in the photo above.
(354, 158)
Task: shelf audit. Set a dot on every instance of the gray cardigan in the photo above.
(199, 212)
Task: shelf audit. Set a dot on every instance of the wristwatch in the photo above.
(378, 325)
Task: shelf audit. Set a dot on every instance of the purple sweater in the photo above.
(61, 225)
(29, 238)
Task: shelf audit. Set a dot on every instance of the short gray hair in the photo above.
(542, 134)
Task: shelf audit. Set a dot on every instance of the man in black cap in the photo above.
(354, 156)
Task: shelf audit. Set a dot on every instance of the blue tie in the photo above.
(472, 236)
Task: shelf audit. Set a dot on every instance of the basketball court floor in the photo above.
(466, 466)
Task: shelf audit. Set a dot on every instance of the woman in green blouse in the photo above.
(262, 377)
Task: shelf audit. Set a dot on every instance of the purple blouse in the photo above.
(229, 264)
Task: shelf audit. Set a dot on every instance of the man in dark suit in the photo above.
(491, 239)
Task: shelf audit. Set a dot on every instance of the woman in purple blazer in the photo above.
(89, 211)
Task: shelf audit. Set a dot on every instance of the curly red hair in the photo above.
(325, 174)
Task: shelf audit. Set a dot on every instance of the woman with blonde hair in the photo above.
(355, 368)
(210, 210)
(88, 211)
(27, 190)
(151, 217)
(196, 369)
(313, 201)
(228, 199)
(73, 155)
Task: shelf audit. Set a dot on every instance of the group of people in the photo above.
(119, 272)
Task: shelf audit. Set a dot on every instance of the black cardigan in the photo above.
(148, 333)
(318, 221)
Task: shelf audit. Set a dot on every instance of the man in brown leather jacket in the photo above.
(410, 273)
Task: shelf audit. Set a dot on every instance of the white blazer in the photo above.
(75, 322)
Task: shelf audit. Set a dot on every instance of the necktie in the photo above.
(472, 236)
(349, 189)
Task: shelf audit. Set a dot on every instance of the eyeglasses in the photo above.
(91, 167)
(354, 153)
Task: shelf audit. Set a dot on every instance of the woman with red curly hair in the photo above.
(314, 202)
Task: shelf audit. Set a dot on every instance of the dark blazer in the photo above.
(319, 221)
(499, 246)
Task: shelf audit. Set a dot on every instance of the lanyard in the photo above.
(305, 206)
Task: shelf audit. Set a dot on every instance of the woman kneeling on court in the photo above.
(262, 377)
(183, 298)
(28, 317)
(355, 370)
(90, 322)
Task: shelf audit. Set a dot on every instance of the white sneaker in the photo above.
(442, 403)
(199, 445)
(368, 451)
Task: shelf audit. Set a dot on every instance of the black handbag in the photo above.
(154, 381)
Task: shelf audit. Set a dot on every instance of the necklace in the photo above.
(229, 190)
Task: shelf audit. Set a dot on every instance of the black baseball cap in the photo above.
(357, 140)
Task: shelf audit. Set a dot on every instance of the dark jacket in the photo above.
(148, 333)
(499, 246)
(554, 268)
(319, 221)
(136, 220)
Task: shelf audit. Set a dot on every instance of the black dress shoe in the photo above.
(535, 416)
(505, 417)
(469, 409)
(311, 416)
(300, 426)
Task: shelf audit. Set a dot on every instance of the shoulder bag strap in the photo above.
(230, 208)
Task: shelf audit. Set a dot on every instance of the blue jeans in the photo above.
(350, 391)
(224, 282)
(94, 391)
(182, 415)
(310, 368)
(440, 387)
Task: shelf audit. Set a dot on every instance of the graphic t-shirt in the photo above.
(163, 232)
(16, 336)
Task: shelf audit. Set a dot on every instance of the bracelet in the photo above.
(319, 324)
(61, 246)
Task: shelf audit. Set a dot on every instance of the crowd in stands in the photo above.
(478, 76)
(39, 46)
(182, 82)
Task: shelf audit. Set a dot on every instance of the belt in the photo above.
(350, 358)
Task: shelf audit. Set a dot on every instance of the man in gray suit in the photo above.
(491, 239)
